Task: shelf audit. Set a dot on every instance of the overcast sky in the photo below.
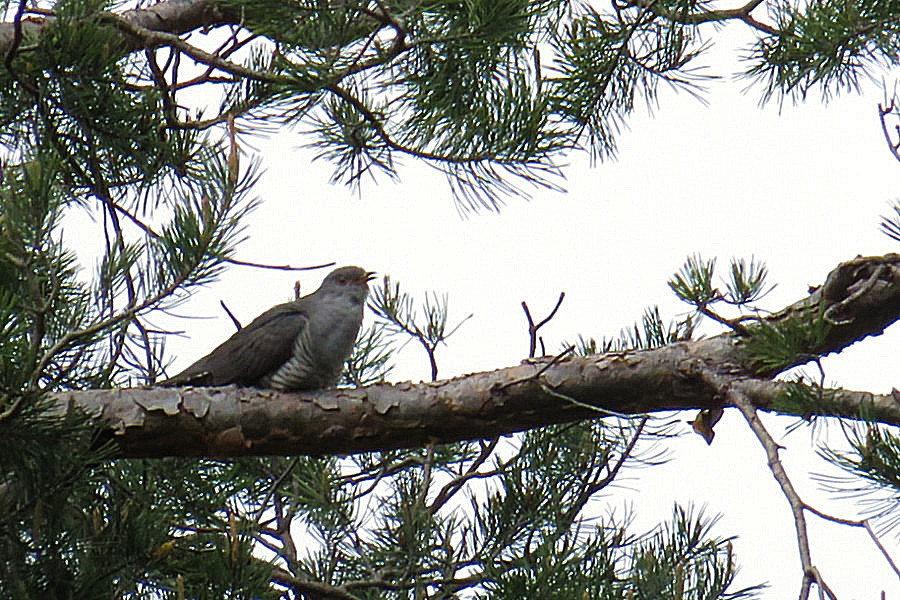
(802, 188)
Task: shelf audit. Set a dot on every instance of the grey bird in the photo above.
(299, 345)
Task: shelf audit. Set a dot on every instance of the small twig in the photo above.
(377, 472)
(533, 329)
(708, 16)
(274, 487)
(377, 478)
(14, 48)
(13, 409)
(432, 359)
(857, 523)
(17, 34)
(140, 224)
(226, 49)
(242, 263)
(283, 520)
(426, 475)
(732, 324)
(472, 472)
(237, 324)
(881, 547)
(165, 91)
(884, 111)
(270, 546)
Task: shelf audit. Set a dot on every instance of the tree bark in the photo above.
(859, 298)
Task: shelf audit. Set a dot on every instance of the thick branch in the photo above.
(233, 421)
(171, 16)
(860, 297)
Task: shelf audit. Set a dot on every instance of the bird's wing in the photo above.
(254, 351)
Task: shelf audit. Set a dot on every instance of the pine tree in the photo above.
(139, 116)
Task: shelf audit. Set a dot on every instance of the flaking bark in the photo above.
(171, 16)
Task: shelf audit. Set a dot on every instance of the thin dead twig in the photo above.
(533, 328)
(810, 573)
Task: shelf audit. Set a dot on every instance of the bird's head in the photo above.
(348, 280)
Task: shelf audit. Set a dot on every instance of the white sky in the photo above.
(802, 189)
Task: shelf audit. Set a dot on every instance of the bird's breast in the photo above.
(321, 349)
(333, 337)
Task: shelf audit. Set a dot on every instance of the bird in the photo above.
(296, 346)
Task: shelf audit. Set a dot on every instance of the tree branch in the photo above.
(232, 421)
(171, 16)
(741, 13)
(810, 573)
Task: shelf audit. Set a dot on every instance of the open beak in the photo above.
(369, 276)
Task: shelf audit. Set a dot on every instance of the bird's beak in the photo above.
(370, 275)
